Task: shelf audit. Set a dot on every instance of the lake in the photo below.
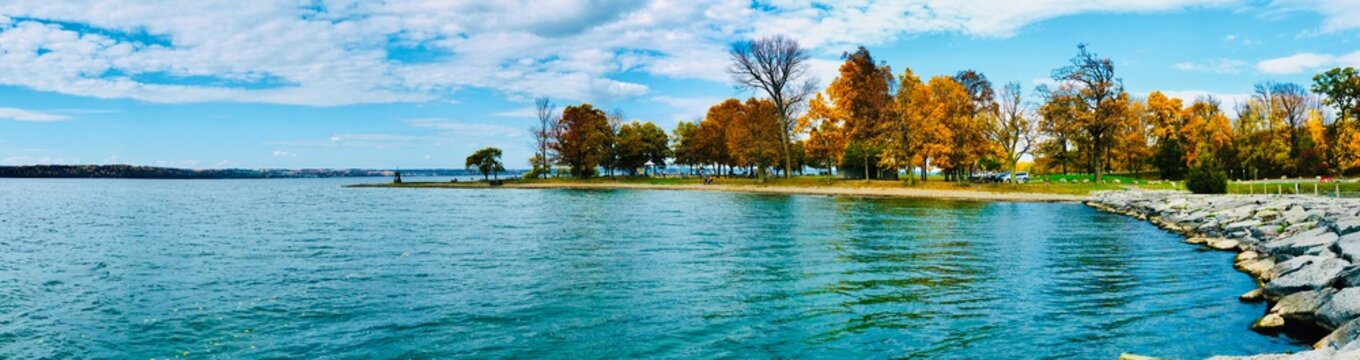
(307, 268)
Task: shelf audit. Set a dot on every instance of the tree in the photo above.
(1058, 121)
(776, 66)
(547, 123)
(903, 132)
(959, 137)
(1095, 85)
(487, 161)
(1286, 102)
(610, 162)
(711, 143)
(1208, 132)
(684, 144)
(1013, 129)
(753, 138)
(826, 138)
(1340, 88)
(584, 139)
(862, 94)
(640, 143)
(1164, 116)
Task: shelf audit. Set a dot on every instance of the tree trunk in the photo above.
(1013, 175)
(788, 155)
(866, 166)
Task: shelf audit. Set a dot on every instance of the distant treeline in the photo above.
(151, 172)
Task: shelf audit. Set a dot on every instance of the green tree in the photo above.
(1340, 88)
(639, 143)
(487, 161)
(684, 144)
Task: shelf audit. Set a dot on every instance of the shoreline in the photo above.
(869, 191)
(1299, 249)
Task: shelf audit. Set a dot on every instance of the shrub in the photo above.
(1205, 179)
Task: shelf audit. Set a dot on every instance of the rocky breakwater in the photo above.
(1304, 252)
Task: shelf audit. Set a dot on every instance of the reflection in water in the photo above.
(288, 268)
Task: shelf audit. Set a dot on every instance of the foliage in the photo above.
(1089, 80)
(583, 140)
(776, 66)
(641, 143)
(1206, 178)
(487, 161)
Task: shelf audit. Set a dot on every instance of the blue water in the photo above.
(306, 268)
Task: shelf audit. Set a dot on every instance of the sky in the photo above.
(424, 83)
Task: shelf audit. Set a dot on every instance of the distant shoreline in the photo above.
(166, 173)
(893, 192)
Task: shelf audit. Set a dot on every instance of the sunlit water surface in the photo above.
(306, 268)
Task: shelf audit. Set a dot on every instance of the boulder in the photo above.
(1301, 307)
(1223, 244)
(1267, 231)
(1348, 247)
(1128, 356)
(1313, 274)
(1246, 255)
(1294, 215)
(1270, 322)
(1311, 242)
(1346, 226)
(1258, 268)
(1349, 277)
(1342, 336)
(1340, 308)
(1255, 295)
(1243, 225)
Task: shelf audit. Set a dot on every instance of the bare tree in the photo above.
(1014, 127)
(543, 133)
(1097, 89)
(776, 66)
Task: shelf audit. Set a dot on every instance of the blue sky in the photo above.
(419, 84)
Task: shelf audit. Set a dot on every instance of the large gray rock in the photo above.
(1258, 267)
(1295, 215)
(1312, 274)
(1348, 225)
(1301, 307)
(1341, 307)
(1343, 337)
(1349, 277)
(1243, 225)
(1311, 242)
(1348, 247)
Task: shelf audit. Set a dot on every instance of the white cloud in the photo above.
(28, 115)
(1217, 66)
(344, 52)
(871, 22)
(1337, 15)
(281, 153)
(1302, 62)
